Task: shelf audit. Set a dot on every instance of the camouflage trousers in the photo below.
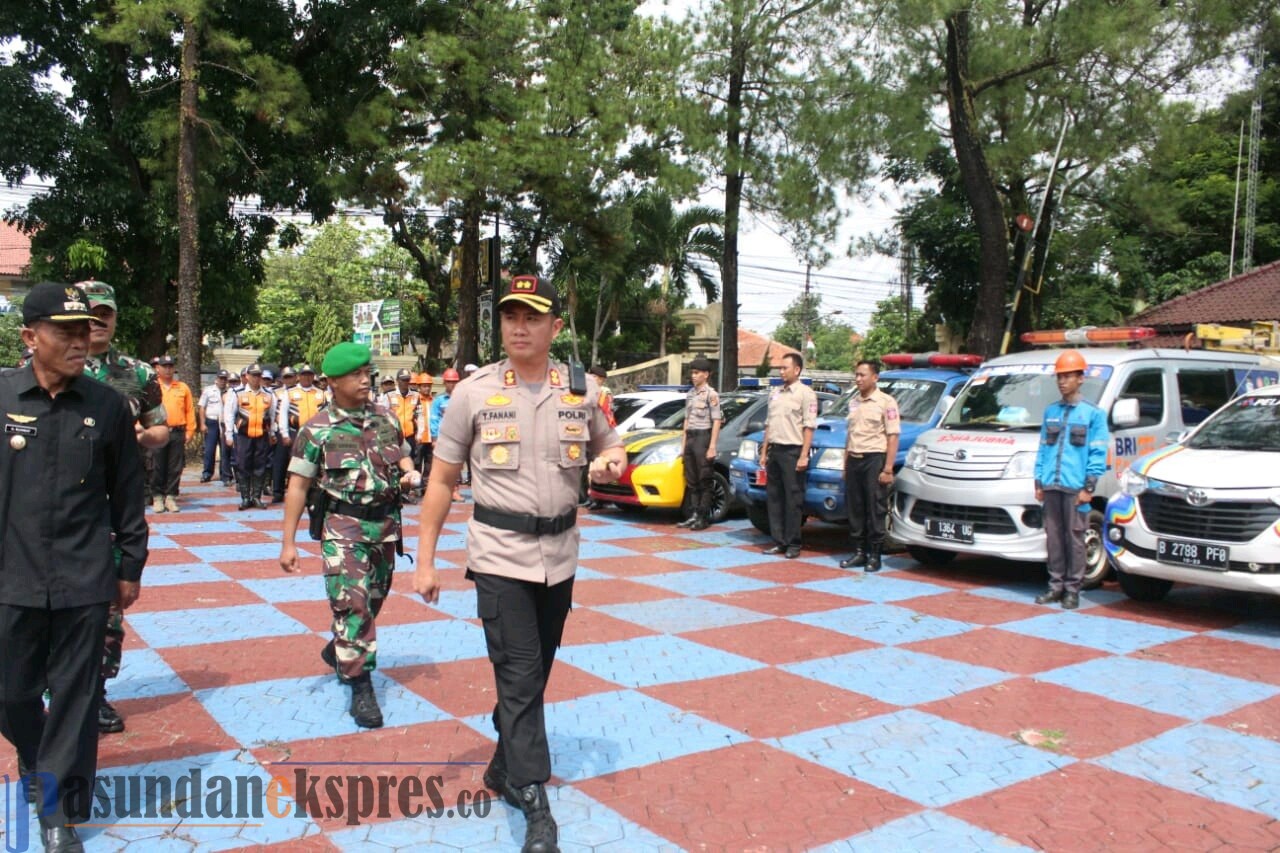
(113, 647)
(357, 580)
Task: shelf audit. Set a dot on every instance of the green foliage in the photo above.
(326, 331)
(889, 331)
(833, 347)
(11, 335)
(308, 291)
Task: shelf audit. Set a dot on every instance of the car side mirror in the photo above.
(643, 423)
(1125, 412)
(754, 425)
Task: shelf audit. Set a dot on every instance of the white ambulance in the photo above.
(968, 486)
(1206, 510)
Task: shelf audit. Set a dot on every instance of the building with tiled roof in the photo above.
(1237, 301)
(15, 258)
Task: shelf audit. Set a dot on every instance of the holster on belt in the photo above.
(317, 508)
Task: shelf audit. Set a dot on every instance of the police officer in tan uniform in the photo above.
(527, 433)
(702, 422)
(784, 453)
(870, 450)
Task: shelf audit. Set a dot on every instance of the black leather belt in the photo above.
(521, 523)
(364, 512)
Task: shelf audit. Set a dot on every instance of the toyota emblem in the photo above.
(961, 455)
(1197, 497)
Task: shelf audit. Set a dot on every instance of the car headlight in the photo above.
(749, 449)
(1022, 465)
(830, 459)
(916, 457)
(1133, 484)
(666, 452)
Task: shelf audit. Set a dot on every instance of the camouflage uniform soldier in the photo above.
(138, 383)
(354, 451)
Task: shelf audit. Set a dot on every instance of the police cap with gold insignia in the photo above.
(534, 291)
(345, 357)
(55, 303)
(701, 363)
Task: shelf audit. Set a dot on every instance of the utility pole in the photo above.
(1251, 187)
(906, 273)
(807, 307)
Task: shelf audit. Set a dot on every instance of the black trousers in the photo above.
(167, 461)
(214, 447)
(279, 470)
(252, 456)
(697, 470)
(785, 493)
(523, 624)
(58, 650)
(423, 459)
(865, 499)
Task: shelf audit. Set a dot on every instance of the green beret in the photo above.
(345, 357)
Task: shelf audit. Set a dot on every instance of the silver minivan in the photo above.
(968, 486)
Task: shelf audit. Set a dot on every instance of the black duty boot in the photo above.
(243, 484)
(700, 522)
(109, 719)
(855, 560)
(689, 522)
(364, 704)
(256, 487)
(329, 656)
(495, 776)
(1070, 600)
(873, 559)
(540, 834)
(1049, 596)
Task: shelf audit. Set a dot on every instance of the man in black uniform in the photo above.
(75, 438)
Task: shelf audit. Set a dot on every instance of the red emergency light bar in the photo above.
(1089, 335)
(930, 359)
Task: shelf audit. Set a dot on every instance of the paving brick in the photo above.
(779, 641)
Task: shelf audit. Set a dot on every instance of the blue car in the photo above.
(923, 394)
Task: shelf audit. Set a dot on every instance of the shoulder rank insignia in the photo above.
(498, 400)
(555, 377)
(509, 379)
(22, 419)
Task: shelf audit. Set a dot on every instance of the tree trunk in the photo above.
(468, 351)
(980, 188)
(189, 351)
(437, 281)
(734, 155)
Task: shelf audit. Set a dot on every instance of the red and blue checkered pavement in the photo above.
(709, 697)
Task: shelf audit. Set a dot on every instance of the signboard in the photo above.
(377, 325)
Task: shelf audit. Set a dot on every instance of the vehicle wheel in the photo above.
(1143, 588)
(930, 556)
(721, 498)
(1096, 567)
(759, 515)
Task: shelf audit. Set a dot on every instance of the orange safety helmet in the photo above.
(422, 378)
(450, 375)
(1070, 361)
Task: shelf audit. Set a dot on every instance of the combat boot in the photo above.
(873, 559)
(28, 780)
(245, 503)
(495, 776)
(540, 834)
(109, 719)
(364, 704)
(699, 523)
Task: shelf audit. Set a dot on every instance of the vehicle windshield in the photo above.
(625, 407)
(1014, 396)
(731, 405)
(916, 398)
(1249, 423)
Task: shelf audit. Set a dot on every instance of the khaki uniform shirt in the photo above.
(871, 421)
(792, 409)
(702, 406)
(527, 450)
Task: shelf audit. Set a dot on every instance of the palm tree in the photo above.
(670, 242)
